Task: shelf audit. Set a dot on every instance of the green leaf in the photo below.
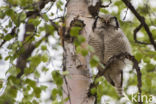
(34, 21)
(82, 51)
(41, 29)
(0, 56)
(35, 102)
(54, 93)
(75, 31)
(146, 59)
(59, 4)
(26, 3)
(150, 67)
(104, 11)
(29, 70)
(49, 29)
(30, 82)
(13, 70)
(93, 91)
(45, 17)
(44, 69)
(45, 58)
(37, 74)
(12, 92)
(90, 49)
(43, 87)
(22, 16)
(8, 37)
(37, 91)
(100, 79)
(2, 15)
(5, 98)
(57, 78)
(44, 47)
(10, 23)
(13, 2)
(79, 39)
(94, 61)
(138, 56)
(37, 35)
(35, 60)
(7, 58)
(1, 83)
(65, 73)
(78, 49)
(14, 16)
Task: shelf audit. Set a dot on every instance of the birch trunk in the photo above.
(76, 84)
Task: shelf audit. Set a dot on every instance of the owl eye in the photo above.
(102, 19)
(115, 21)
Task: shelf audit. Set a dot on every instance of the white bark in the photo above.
(76, 84)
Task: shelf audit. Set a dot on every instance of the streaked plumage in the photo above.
(109, 40)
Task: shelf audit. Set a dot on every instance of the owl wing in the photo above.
(97, 43)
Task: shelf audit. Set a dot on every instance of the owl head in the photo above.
(106, 21)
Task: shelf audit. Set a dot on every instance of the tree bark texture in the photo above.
(76, 84)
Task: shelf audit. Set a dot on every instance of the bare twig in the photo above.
(135, 35)
(41, 5)
(11, 33)
(55, 26)
(94, 8)
(4, 41)
(125, 14)
(142, 21)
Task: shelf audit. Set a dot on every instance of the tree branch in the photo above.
(94, 8)
(28, 46)
(11, 33)
(41, 4)
(135, 35)
(142, 21)
(118, 57)
(125, 14)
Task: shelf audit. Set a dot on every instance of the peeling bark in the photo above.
(76, 84)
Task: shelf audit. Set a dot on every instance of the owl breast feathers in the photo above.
(115, 42)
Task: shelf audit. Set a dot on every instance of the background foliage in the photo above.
(43, 76)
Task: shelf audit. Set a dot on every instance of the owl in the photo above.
(108, 40)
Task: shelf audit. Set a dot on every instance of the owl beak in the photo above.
(107, 22)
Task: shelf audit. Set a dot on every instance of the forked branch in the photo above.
(135, 35)
(142, 21)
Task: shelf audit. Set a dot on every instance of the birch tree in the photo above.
(76, 60)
